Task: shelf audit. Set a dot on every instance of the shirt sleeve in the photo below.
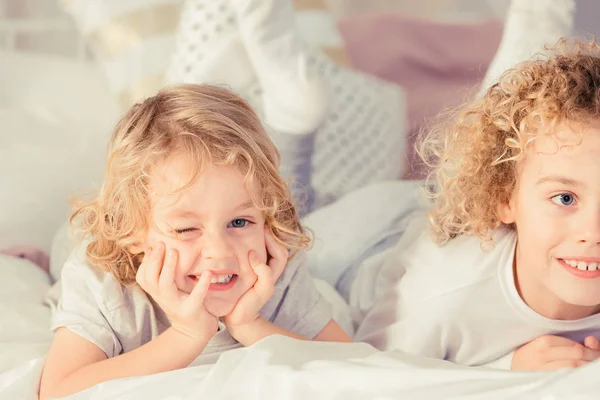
(80, 307)
(297, 305)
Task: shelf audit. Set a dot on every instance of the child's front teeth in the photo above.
(221, 278)
(583, 266)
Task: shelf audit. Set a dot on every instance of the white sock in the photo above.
(529, 26)
(295, 100)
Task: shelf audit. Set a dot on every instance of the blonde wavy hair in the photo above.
(474, 156)
(204, 124)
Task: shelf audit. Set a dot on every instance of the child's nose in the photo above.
(216, 246)
(589, 225)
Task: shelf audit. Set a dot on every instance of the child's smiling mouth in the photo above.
(218, 282)
(581, 268)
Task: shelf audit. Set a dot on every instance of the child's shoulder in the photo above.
(79, 265)
(297, 264)
(463, 261)
(464, 249)
(420, 271)
(79, 271)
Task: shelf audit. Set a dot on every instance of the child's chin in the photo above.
(219, 308)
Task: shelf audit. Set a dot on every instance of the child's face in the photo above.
(213, 225)
(556, 210)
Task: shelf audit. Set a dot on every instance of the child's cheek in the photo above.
(186, 252)
(256, 244)
(187, 255)
(154, 238)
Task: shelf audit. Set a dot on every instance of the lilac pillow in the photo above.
(438, 64)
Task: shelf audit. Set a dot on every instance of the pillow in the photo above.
(53, 132)
(23, 316)
(436, 63)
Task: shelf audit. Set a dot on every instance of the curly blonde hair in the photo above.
(204, 124)
(474, 156)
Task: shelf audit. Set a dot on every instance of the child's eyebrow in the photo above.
(245, 205)
(181, 213)
(559, 179)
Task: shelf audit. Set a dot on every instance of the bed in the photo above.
(53, 122)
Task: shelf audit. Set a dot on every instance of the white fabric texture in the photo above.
(281, 368)
(456, 302)
(349, 227)
(24, 320)
(360, 140)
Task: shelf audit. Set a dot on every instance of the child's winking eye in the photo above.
(185, 230)
(237, 223)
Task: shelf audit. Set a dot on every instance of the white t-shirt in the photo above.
(91, 303)
(456, 302)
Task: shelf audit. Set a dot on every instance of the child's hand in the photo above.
(186, 312)
(248, 306)
(591, 342)
(554, 352)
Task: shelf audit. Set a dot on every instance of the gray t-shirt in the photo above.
(94, 305)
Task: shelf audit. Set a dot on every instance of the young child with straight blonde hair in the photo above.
(191, 248)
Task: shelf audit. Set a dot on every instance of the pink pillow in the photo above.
(438, 64)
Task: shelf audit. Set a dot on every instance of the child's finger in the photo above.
(564, 353)
(275, 249)
(200, 290)
(562, 364)
(140, 276)
(154, 265)
(545, 342)
(166, 280)
(253, 259)
(591, 342)
(264, 283)
(278, 252)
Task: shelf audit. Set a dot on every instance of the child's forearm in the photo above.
(251, 333)
(169, 351)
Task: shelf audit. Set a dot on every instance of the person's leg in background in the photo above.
(529, 26)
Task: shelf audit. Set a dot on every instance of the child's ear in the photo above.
(137, 248)
(506, 213)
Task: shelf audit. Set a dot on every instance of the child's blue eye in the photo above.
(564, 199)
(238, 223)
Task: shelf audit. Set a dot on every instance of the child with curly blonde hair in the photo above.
(191, 248)
(507, 272)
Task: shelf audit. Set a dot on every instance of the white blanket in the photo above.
(282, 368)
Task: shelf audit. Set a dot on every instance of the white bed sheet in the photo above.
(275, 368)
(282, 368)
